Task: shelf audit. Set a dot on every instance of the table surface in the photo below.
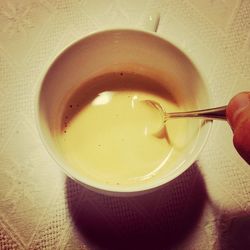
(208, 207)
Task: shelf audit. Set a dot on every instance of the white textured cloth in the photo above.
(208, 207)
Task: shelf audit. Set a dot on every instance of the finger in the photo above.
(236, 107)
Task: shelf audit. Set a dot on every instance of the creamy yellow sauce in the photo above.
(111, 139)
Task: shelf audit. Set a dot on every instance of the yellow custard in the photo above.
(107, 133)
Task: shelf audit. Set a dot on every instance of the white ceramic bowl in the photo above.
(109, 50)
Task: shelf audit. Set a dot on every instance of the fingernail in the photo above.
(243, 100)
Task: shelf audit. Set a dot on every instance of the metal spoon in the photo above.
(218, 113)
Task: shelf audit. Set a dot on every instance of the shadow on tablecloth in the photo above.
(234, 231)
(158, 220)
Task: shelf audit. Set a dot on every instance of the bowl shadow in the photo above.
(234, 231)
(157, 220)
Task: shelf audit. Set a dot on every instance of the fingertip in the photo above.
(236, 105)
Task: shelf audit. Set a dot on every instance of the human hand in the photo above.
(238, 115)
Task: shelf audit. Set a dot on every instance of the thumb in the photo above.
(238, 115)
(236, 108)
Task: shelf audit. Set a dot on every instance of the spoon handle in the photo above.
(208, 114)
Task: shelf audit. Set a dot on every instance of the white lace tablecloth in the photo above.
(208, 207)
